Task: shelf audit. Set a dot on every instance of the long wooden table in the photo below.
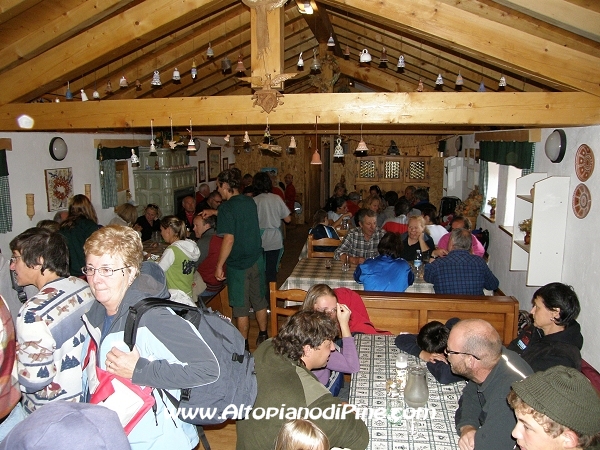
(377, 355)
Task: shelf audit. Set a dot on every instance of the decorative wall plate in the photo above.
(582, 201)
(584, 162)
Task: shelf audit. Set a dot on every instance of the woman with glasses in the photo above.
(344, 359)
(149, 222)
(179, 259)
(161, 357)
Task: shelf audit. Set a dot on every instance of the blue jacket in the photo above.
(384, 274)
(173, 355)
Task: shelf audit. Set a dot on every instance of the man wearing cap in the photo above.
(483, 419)
(555, 409)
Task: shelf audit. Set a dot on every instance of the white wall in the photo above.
(29, 157)
(581, 265)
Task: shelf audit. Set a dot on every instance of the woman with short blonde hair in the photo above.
(301, 434)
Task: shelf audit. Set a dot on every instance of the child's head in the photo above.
(301, 434)
(433, 337)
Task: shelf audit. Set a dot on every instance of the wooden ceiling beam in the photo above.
(12, 8)
(375, 77)
(484, 39)
(57, 30)
(561, 13)
(144, 22)
(394, 110)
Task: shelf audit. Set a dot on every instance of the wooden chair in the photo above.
(276, 295)
(325, 242)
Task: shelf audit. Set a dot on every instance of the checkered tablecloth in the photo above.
(377, 355)
(311, 271)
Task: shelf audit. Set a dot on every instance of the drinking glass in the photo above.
(156, 237)
(328, 264)
(394, 410)
(401, 366)
(345, 262)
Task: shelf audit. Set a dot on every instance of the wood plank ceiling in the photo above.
(545, 47)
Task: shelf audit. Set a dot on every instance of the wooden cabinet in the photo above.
(547, 208)
(392, 172)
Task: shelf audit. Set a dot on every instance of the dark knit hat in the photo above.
(565, 395)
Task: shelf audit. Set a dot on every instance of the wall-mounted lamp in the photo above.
(30, 202)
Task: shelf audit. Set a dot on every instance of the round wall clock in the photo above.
(584, 162)
(556, 144)
(58, 149)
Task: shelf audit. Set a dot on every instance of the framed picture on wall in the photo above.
(59, 188)
(214, 162)
(225, 163)
(201, 171)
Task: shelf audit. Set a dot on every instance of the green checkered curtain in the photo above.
(483, 181)
(518, 154)
(529, 170)
(108, 183)
(5, 205)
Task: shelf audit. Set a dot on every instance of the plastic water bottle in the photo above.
(418, 263)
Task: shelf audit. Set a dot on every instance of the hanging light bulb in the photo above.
(176, 76)
(240, 70)
(308, 9)
(123, 82)
(226, 65)
(316, 65)
(191, 145)
(152, 147)
(156, 83)
(331, 42)
(84, 97)
(420, 86)
(384, 59)
(439, 83)
(194, 71)
(69, 94)
(209, 51)
(347, 52)
(458, 84)
(300, 63)
(481, 87)
(400, 66)
(502, 83)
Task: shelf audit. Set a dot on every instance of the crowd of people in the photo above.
(67, 289)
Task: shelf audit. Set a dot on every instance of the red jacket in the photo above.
(359, 319)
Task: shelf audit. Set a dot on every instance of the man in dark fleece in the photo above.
(555, 336)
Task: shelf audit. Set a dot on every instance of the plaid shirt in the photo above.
(460, 273)
(356, 246)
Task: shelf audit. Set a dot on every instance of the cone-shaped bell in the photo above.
(156, 83)
(401, 64)
(109, 89)
(123, 82)
(176, 76)
(393, 150)
(458, 84)
(240, 69)
(300, 63)
(68, 94)
(292, 142)
(439, 83)
(481, 87)
(246, 138)
(316, 65)
(138, 85)
(347, 52)
(338, 150)
(226, 65)
(191, 146)
(384, 59)
(331, 42)
(209, 143)
(209, 51)
(420, 86)
(96, 95)
(84, 97)
(194, 71)
(316, 158)
(502, 83)
(152, 151)
(362, 146)
(135, 160)
(267, 135)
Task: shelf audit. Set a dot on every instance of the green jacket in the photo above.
(282, 382)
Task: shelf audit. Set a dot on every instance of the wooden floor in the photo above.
(223, 437)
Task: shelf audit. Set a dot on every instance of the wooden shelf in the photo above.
(524, 246)
(489, 218)
(527, 198)
(507, 229)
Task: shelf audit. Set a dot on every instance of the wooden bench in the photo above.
(408, 312)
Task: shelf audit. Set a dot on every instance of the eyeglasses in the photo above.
(13, 259)
(450, 352)
(103, 271)
(328, 311)
(152, 205)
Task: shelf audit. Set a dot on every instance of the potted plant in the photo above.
(525, 227)
(492, 203)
